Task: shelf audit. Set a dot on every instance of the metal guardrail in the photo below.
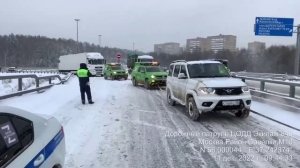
(291, 84)
(43, 71)
(37, 83)
(39, 71)
(283, 77)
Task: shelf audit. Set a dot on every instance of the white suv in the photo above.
(204, 86)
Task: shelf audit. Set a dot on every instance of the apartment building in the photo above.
(171, 48)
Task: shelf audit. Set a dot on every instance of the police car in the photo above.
(30, 140)
(115, 71)
(148, 73)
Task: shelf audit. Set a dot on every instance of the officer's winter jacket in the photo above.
(83, 75)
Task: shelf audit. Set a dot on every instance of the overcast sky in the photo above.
(122, 22)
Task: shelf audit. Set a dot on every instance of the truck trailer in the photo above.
(94, 61)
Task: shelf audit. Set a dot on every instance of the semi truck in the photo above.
(94, 61)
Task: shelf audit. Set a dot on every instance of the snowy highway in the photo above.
(133, 127)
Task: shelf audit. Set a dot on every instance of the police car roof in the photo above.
(204, 62)
(145, 57)
(113, 64)
(25, 114)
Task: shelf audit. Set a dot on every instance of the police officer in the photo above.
(84, 82)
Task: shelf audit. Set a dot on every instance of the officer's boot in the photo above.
(91, 102)
(83, 101)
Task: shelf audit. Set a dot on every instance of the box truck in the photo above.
(94, 61)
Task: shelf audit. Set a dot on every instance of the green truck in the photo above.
(115, 71)
(149, 74)
(132, 58)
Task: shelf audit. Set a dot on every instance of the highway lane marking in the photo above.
(148, 111)
(138, 122)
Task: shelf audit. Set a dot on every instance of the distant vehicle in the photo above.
(149, 74)
(133, 58)
(145, 58)
(11, 69)
(115, 71)
(30, 140)
(70, 63)
(223, 61)
(205, 86)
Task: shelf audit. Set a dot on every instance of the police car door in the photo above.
(140, 75)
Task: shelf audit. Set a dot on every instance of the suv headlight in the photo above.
(152, 76)
(245, 89)
(205, 90)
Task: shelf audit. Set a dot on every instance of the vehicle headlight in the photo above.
(245, 89)
(152, 76)
(206, 90)
(115, 72)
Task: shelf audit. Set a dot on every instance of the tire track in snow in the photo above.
(224, 121)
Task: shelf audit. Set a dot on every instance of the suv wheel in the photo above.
(146, 84)
(192, 109)
(105, 77)
(244, 113)
(134, 82)
(169, 98)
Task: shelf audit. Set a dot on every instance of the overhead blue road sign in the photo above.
(268, 26)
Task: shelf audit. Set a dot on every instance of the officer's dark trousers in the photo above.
(85, 90)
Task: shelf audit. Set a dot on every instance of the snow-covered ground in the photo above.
(11, 85)
(133, 127)
(290, 117)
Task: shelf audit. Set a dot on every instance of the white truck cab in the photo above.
(205, 86)
(95, 63)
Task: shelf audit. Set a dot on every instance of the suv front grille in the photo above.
(120, 72)
(228, 91)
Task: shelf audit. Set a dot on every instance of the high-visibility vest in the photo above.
(82, 73)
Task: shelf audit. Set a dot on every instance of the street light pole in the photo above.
(297, 56)
(5, 60)
(133, 46)
(100, 40)
(77, 20)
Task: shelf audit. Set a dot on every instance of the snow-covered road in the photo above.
(133, 127)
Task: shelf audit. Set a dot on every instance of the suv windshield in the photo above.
(154, 69)
(207, 70)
